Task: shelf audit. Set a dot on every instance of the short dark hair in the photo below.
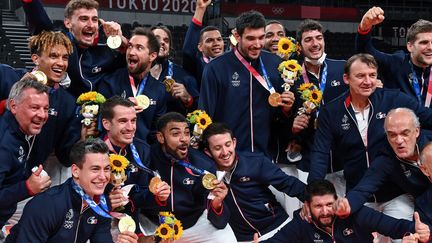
(153, 43)
(319, 188)
(77, 4)
(421, 26)
(207, 29)
(28, 81)
(167, 118)
(81, 148)
(308, 25)
(214, 129)
(107, 108)
(362, 57)
(250, 19)
(168, 32)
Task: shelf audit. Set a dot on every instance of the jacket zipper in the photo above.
(241, 213)
(372, 113)
(251, 111)
(172, 187)
(82, 76)
(332, 234)
(79, 221)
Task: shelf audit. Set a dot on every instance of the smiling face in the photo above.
(362, 79)
(30, 110)
(421, 49)
(175, 139)
(211, 44)
(94, 174)
(121, 128)
(251, 42)
(83, 24)
(164, 42)
(221, 147)
(273, 33)
(402, 134)
(312, 44)
(53, 62)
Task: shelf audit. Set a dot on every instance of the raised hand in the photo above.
(421, 229)
(373, 16)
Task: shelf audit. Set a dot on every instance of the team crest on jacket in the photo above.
(21, 154)
(345, 124)
(235, 80)
(96, 69)
(244, 179)
(347, 231)
(52, 112)
(317, 238)
(68, 223)
(380, 115)
(92, 220)
(188, 181)
(335, 83)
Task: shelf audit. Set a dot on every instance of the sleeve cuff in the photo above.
(160, 203)
(215, 211)
(189, 102)
(361, 32)
(28, 189)
(2, 106)
(194, 20)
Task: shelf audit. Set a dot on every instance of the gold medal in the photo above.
(126, 223)
(114, 42)
(168, 82)
(143, 101)
(40, 76)
(207, 181)
(274, 99)
(154, 182)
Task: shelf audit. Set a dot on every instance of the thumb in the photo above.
(38, 171)
(417, 218)
(255, 238)
(101, 21)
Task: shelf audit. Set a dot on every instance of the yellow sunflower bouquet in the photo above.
(90, 103)
(118, 165)
(311, 96)
(286, 47)
(201, 120)
(169, 228)
(290, 71)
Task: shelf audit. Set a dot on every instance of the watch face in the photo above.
(114, 42)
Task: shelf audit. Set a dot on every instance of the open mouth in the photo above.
(88, 34)
(58, 71)
(216, 50)
(132, 62)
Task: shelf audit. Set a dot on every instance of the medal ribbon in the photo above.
(417, 88)
(139, 162)
(101, 209)
(193, 168)
(206, 59)
(170, 69)
(322, 83)
(140, 87)
(262, 80)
